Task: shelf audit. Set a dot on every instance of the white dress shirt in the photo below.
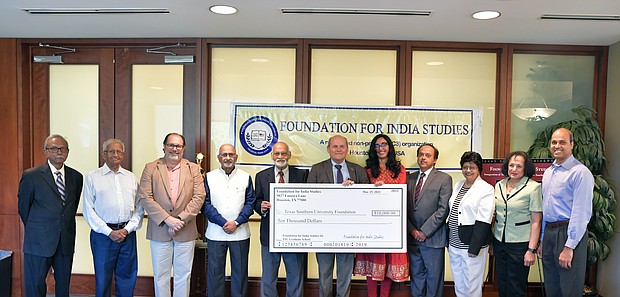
(111, 198)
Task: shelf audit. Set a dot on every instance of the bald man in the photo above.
(567, 188)
(336, 170)
(228, 207)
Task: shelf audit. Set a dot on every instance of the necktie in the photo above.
(281, 174)
(60, 184)
(339, 177)
(418, 187)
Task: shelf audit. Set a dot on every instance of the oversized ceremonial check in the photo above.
(338, 219)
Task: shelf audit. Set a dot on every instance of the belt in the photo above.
(556, 224)
(117, 226)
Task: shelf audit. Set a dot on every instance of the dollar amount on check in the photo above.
(334, 218)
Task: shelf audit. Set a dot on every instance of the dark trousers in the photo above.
(36, 268)
(511, 273)
(426, 265)
(561, 282)
(239, 253)
(120, 259)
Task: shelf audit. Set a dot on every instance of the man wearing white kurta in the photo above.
(228, 207)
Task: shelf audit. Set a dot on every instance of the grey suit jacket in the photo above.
(322, 173)
(428, 212)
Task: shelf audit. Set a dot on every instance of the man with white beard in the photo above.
(293, 262)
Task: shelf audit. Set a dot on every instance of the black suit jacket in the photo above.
(262, 180)
(47, 219)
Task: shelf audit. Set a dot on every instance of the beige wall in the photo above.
(608, 284)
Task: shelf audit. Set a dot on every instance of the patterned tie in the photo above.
(339, 176)
(418, 187)
(281, 174)
(61, 185)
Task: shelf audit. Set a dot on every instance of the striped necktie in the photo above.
(60, 184)
(418, 187)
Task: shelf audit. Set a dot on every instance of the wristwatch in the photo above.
(533, 251)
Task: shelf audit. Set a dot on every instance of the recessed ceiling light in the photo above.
(437, 63)
(486, 15)
(259, 60)
(222, 9)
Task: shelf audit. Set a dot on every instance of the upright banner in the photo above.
(307, 128)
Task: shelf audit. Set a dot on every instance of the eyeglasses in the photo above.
(230, 155)
(378, 145)
(470, 168)
(57, 149)
(112, 152)
(176, 146)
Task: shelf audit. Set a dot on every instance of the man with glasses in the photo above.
(114, 212)
(228, 207)
(48, 198)
(294, 263)
(172, 192)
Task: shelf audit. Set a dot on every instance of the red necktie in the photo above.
(281, 174)
(418, 187)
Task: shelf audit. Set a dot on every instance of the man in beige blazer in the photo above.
(172, 192)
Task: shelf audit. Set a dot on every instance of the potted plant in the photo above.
(589, 149)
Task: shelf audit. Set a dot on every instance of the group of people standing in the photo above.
(518, 217)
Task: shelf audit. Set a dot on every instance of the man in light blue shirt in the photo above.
(567, 188)
(113, 211)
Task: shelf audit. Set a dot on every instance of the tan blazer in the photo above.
(154, 192)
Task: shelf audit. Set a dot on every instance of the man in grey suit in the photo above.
(428, 193)
(336, 170)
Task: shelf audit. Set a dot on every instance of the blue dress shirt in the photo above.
(567, 195)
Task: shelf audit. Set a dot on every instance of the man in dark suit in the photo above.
(428, 193)
(48, 198)
(336, 170)
(293, 262)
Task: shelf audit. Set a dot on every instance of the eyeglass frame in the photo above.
(380, 145)
(54, 149)
(111, 152)
(176, 146)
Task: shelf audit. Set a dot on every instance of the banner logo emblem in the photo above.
(258, 134)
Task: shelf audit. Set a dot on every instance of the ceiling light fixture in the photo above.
(486, 15)
(355, 11)
(222, 9)
(79, 11)
(434, 63)
(581, 17)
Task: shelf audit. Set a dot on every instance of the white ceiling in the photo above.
(450, 20)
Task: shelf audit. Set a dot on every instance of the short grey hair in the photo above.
(54, 136)
(111, 141)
